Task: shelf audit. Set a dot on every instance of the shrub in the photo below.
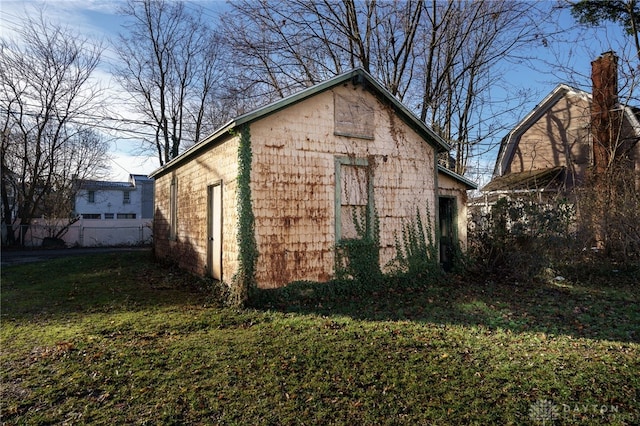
(609, 215)
(522, 238)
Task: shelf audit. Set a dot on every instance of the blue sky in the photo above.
(555, 63)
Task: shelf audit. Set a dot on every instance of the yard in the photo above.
(119, 339)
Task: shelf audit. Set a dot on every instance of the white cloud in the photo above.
(122, 165)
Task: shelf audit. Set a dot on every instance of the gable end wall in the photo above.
(559, 138)
(293, 183)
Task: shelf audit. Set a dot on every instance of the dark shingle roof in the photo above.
(532, 179)
(102, 185)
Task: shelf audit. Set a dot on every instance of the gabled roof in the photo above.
(466, 182)
(103, 185)
(143, 178)
(509, 142)
(357, 76)
(633, 115)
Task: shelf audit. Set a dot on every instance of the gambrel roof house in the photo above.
(308, 170)
(552, 148)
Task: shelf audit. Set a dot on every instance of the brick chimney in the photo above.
(605, 120)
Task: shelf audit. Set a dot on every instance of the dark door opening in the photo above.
(448, 239)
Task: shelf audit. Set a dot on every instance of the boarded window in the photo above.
(353, 116)
(354, 198)
(448, 237)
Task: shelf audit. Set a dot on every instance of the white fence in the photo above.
(88, 233)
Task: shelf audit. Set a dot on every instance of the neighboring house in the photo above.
(552, 149)
(335, 154)
(103, 200)
(113, 213)
(109, 214)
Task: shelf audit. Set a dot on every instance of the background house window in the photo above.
(126, 215)
(126, 197)
(584, 151)
(91, 196)
(91, 216)
(108, 216)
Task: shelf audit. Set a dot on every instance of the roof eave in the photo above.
(633, 119)
(468, 183)
(224, 130)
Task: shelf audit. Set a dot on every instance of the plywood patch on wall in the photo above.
(353, 115)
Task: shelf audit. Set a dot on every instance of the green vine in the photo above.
(244, 282)
(417, 253)
(359, 258)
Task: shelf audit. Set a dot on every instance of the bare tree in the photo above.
(169, 66)
(464, 50)
(284, 46)
(396, 47)
(624, 12)
(439, 57)
(46, 101)
(612, 78)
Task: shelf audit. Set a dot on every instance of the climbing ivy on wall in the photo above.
(244, 282)
(359, 258)
(416, 251)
